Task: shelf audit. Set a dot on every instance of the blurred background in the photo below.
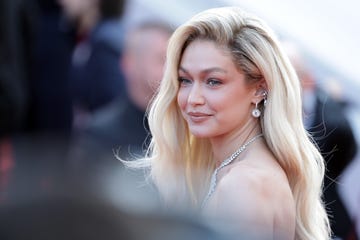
(76, 77)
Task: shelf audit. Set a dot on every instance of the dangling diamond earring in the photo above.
(256, 112)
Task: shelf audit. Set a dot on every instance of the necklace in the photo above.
(227, 161)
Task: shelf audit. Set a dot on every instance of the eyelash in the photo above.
(184, 81)
(212, 82)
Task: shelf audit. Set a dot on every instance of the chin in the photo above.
(201, 134)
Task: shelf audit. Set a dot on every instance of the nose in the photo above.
(196, 96)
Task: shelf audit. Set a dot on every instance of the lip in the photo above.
(198, 116)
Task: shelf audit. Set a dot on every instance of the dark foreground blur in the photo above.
(46, 198)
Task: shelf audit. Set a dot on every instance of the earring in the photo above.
(265, 97)
(256, 112)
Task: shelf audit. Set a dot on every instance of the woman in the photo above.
(227, 130)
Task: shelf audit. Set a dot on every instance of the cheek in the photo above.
(182, 99)
(230, 103)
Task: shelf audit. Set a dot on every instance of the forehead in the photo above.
(201, 54)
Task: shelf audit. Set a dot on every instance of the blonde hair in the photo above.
(176, 157)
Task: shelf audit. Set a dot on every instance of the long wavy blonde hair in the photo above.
(181, 164)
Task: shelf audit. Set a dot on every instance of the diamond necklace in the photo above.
(227, 161)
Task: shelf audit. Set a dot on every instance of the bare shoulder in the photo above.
(255, 185)
(257, 195)
(263, 182)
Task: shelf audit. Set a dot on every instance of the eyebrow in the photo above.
(208, 70)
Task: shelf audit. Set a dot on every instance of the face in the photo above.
(153, 59)
(213, 96)
(144, 64)
(76, 8)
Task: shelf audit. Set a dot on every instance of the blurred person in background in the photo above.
(122, 125)
(37, 50)
(17, 27)
(326, 120)
(35, 59)
(50, 105)
(95, 78)
(17, 30)
(34, 56)
(227, 127)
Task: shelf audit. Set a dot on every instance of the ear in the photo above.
(260, 91)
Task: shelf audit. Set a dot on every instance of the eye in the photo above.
(213, 82)
(184, 81)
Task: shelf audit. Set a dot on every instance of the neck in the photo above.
(88, 21)
(224, 146)
(140, 97)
